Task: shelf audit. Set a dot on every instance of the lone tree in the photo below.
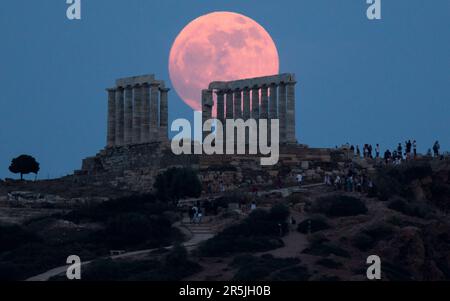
(24, 164)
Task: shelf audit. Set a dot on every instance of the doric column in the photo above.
(273, 102)
(255, 102)
(137, 91)
(206, 109)
(164, 114)
(154, 95)
(290, 113)
(145, 114)
(264, 108)
(229, 105)
(119, 116)
(246, 98)
(111, 125)
(220, 105)
(237, 104)
(206, 105)
(282, 111)
(128, 116)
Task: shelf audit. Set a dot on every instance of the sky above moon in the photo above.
(219, 46)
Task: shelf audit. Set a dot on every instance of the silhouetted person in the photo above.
(358, 152)
(408, 147)
(387, 156)
(415, 148)
(369, 151)
(436, 148)
(399, 151)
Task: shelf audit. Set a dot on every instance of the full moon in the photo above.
(220, 46)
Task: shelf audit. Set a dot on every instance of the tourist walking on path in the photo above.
(299, 179)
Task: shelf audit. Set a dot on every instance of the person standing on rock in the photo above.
(358, 152)
(436, 148)
(387, 156)
(400, 151)
(408, 147)
(415, 148)
(377, 151)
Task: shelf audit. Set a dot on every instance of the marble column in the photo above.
(255, 103)
(282, 111)
(237, 104)
(128, 116)
(137, 105)
(229, 104)
(206, 109)
(145, 114)
(273, 106)
(220, 106)
(154, 95)
(164, 114)
(264, 108)
(246, 97)
(119, 116)
(290, 113)
(111, 126)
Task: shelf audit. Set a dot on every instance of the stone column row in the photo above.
(133, 115)
(269, 101)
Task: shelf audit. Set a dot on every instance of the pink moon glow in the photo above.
(220, 46)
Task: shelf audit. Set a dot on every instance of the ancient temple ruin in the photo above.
(137, 111)
(137, 129)
(268, 97)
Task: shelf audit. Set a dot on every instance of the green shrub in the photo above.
(143, 204)
(329, 263)
(177, 183)
(370, 236)
(258, 232)
(339, 206)
(394, 181)
(13, 236)
(258, 268)
(297, 273)
(132, 229)
(416, 209)
(326, 249)
(363, 242)
(315, 224)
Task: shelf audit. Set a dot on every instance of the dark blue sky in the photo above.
(359, 80)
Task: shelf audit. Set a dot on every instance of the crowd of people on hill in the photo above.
(352, 181)
(401, 152)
